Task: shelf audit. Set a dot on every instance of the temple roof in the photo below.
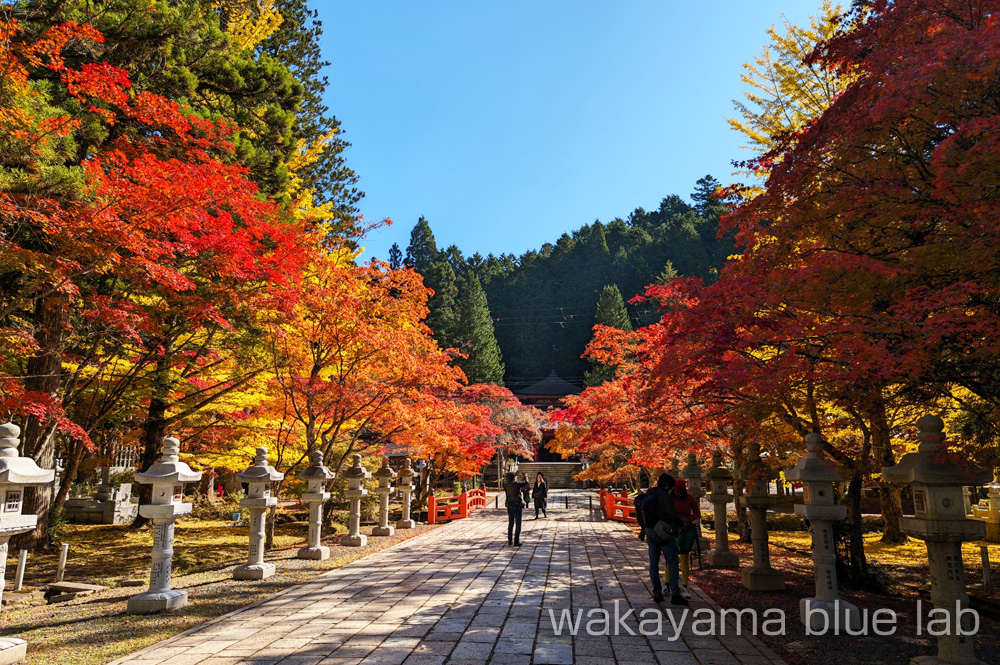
(552, 385)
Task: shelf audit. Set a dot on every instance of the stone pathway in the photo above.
(460, 596)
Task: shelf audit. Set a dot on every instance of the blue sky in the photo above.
(509, 123)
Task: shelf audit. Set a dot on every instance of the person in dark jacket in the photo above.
(657, 507)
(539, 493)
(515, 506)
(639, 498)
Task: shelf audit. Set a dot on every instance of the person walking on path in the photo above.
(661, 529)
(539, 494)
(640, 496)
(515, 507)
(688, 511)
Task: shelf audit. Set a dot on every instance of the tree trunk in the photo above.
(855, 535)
(269, 526)
(69, 473)
(892, 505)
(155, 429)
(44, 372)
(742, 522)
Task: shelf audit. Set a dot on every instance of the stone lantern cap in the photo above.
(17, 470)
(318, 471)
(407, 470)
(757, 476)
(817, 475)
(385, 473)
(754, 467)
(932, 464)
(814, 467)
(169, 469)
(356, 471)
(692, 468)
(260, 471)
(718, 470)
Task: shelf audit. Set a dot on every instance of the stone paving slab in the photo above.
(460, 595)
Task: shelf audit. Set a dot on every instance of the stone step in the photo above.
(558, 475)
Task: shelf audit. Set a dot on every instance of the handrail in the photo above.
(620, 507)
(467, 501)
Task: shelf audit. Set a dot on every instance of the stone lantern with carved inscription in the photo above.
(818, 476)
(315, 496)
(757, 476)
(385, 476)
(167, 477)
(356, 476)
(258, 478)
(939, 519)
(719, 477)
(16, 473)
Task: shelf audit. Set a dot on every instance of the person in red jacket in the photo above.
(688, 511)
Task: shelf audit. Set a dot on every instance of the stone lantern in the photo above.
(167, 477)
(675, 467)
(757, 476)
(937, 477)
(405, 486)
(16, 473)
(718, 478)
(692, 473)
(356, 477)
(988, 512)
(826, 611)
(385, 476)
(318, 476)
(258, 478)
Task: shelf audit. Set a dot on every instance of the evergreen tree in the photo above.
(395, 257)
(610, 312)
(441, 319)
(296, 44)
(667, 274)
(422, 250)
(474, 336)
(423, 256)
(704, 197)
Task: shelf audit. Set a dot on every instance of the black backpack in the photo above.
(649, 507)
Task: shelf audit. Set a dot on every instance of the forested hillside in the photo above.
(543, 303)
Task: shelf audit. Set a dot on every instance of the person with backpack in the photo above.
(515, 507)
(688, 511)
(662, 524)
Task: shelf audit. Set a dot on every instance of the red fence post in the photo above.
(463, 505)
(431, 509)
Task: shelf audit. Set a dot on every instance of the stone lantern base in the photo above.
(763, 579)
(12, 650)
(722, 559)
(359, 540)
(383, 530)
(934, 660)
(256, 571)
(320, 553)
(829, 617)
(160, 601)
(406, 524)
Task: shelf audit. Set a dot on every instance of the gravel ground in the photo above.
(797, 648)
(95, 629)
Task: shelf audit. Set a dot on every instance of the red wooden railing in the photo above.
(620, 507)
(445, 508)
